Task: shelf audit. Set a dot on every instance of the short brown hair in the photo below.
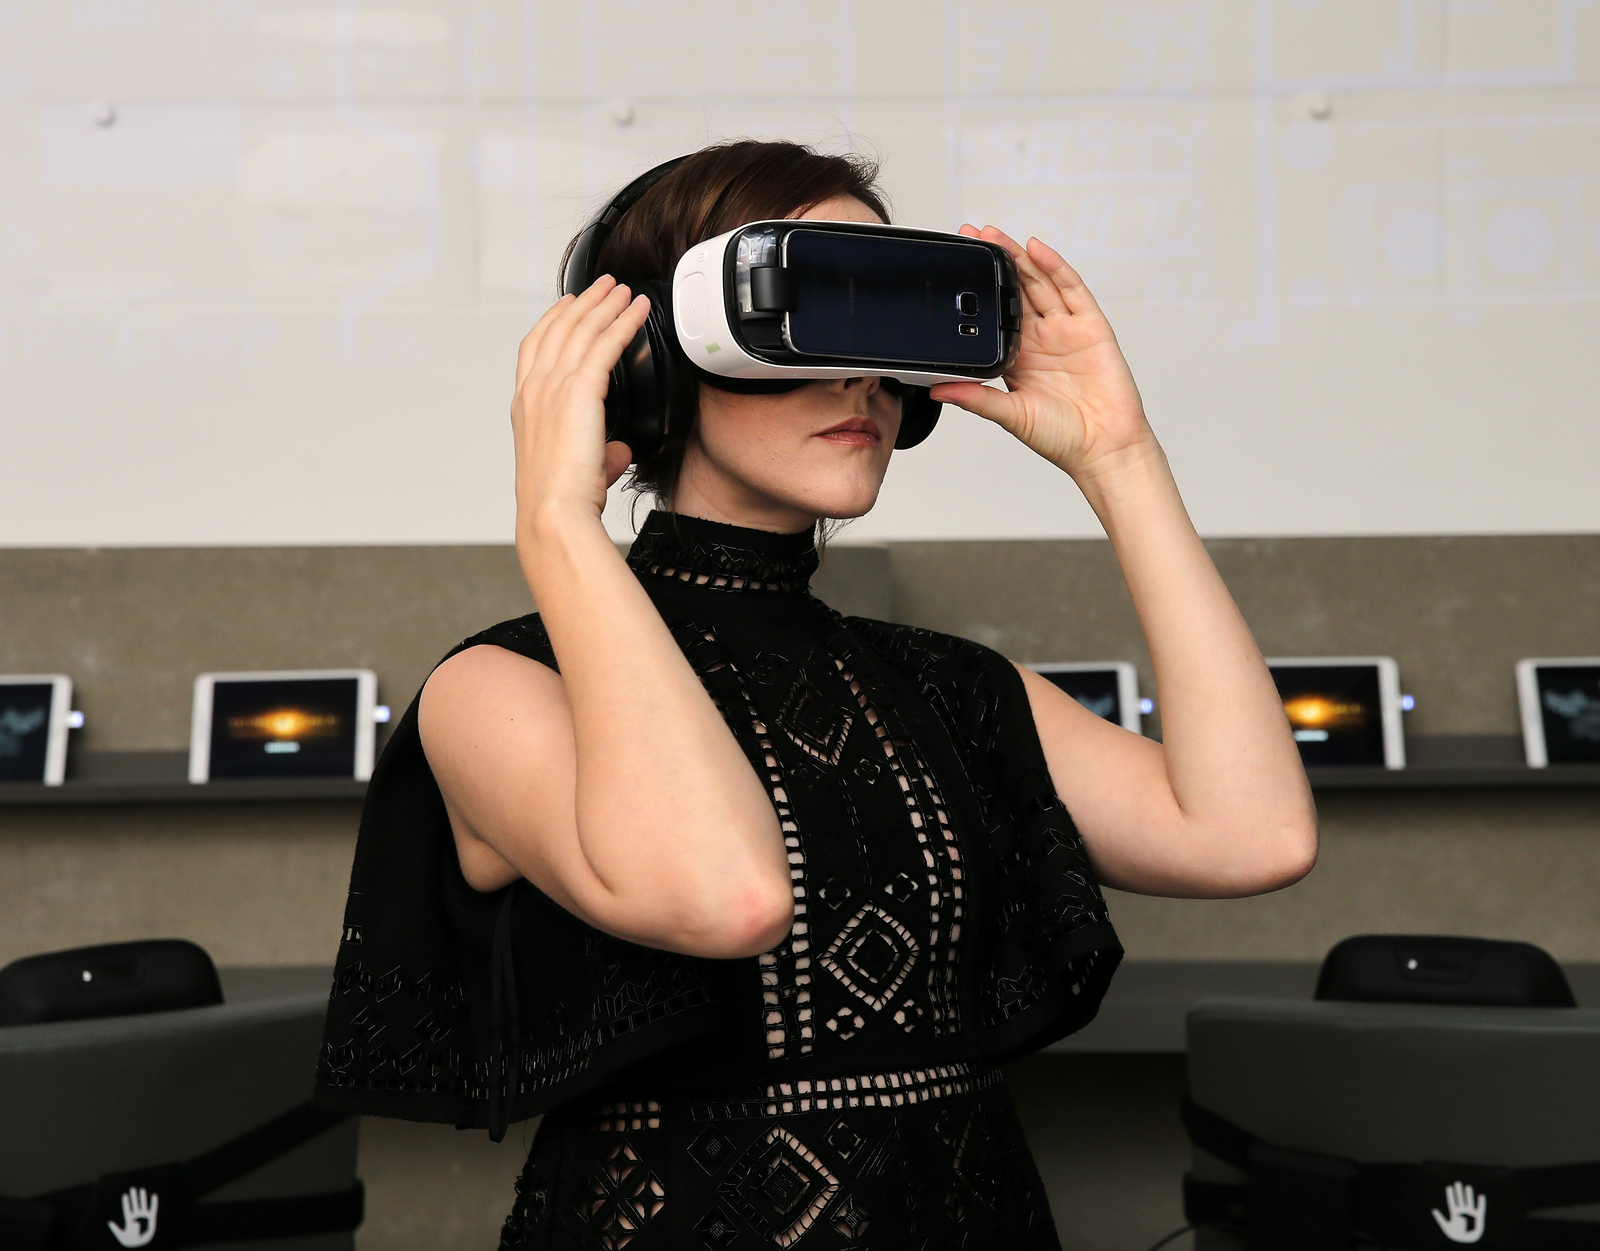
(710, 192)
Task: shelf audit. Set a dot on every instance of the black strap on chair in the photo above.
(1301, 1201)
(158, 1207)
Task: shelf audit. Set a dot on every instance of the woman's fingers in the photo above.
(618, 457)
(1037, 287)
(602, 318)
(567, 319)
(1067, 280)
(612, 341)
(529, 347)
(990, 402)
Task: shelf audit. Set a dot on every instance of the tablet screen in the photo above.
(1095, 689)
(1569, 705)
(283, 727)
(1335, 711)
(24, 730)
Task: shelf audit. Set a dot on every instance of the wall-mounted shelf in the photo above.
(162, 777)
(1448, 761)
(1445, 762)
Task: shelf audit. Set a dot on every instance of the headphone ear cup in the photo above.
(919, 414)
(645, 401)
(632, 413)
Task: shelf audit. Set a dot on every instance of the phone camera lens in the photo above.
(967, 328)
(967, 303)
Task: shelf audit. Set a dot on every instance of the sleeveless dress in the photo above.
(839, 1091)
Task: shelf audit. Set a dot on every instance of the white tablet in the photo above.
(1344, 710)
(298, 723)
(1107, 688)
(35, 714)
(1560, 703)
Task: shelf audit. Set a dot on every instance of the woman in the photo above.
(751, 898)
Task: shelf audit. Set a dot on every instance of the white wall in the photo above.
(276, 299)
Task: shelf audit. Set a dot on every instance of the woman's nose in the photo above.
(869, 385)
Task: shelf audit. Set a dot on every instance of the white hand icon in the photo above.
(138, 1218)
(1468, 1213)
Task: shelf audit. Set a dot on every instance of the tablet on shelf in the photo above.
(1344, 710)
(1107, 688)
(1560, 703)
(305, 723)
(35, 714)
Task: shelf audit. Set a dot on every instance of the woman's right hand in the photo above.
(558, 418)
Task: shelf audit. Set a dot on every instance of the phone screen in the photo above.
(899, 299)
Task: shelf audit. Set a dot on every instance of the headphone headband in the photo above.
(580, 273)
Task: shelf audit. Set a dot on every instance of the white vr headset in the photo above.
(804, 300)
(772, 305)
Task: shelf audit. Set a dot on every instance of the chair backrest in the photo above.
(1398, 1083)
(1431, 968)
(83, 1099)
(1386, 1082)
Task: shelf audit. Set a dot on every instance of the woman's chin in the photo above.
(845, 505)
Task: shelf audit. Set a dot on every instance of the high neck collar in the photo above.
(723, 557)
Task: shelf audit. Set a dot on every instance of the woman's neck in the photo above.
(716, 497)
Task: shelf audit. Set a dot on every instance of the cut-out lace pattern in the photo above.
(718, 558)
(786, 969)
(868, 1090)
(624, 1196)
(930, 1158)
(941, 853)
(628, 1114)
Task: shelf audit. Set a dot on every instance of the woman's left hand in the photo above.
(1071, 396)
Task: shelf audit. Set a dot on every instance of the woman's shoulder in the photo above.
(468, 674)
(524, 635)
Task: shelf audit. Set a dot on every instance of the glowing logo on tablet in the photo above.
(14, 726)
(1312, 716)
(285, 726)
(1581, 713)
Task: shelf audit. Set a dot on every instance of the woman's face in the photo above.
(779, 462)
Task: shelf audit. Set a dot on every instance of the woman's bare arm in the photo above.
(615, 786)
(1221, 807)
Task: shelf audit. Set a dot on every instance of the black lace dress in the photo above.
(841, 1090)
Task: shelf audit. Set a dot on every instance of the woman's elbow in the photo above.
(1296, 862)
(757, 921)
(1287, 857)
(733, 922)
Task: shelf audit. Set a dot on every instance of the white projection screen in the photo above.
(264, 266)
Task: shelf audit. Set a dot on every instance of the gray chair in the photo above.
(1319, 1125)
(201, 1115)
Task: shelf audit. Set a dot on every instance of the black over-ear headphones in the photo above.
(652, 390)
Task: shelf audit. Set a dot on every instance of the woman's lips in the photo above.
(856, 432)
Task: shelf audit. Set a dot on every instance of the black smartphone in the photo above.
(868, 297)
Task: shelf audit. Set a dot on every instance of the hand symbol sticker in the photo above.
(1469, 1212)
(138, 1218)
